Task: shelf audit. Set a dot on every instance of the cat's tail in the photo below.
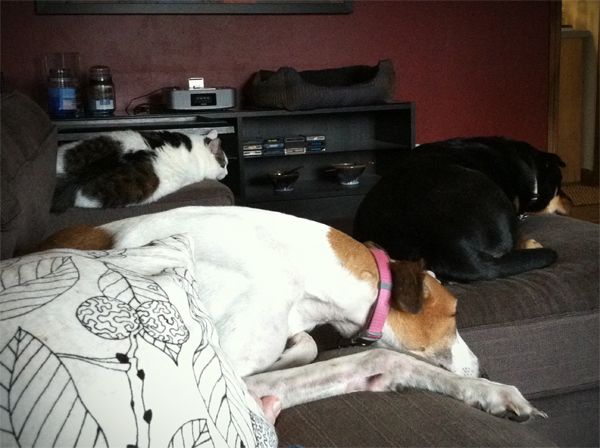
(64, 194)
(82, 162)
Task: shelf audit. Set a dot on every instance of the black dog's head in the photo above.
(545, 180)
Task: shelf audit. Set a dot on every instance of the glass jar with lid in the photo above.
(63, 93)
(101, 92)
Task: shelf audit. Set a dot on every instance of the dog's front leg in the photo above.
(300, 349)
(381, 369)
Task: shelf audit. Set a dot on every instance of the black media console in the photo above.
(372, 135)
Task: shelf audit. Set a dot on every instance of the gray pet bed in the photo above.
(290, 89)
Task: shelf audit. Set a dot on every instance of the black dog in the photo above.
(456, 205)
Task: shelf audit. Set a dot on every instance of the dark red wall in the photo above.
(473, 68)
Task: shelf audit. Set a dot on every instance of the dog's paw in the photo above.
(270, 405)
(530, 244)
(502, 400)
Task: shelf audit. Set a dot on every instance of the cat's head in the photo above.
(213, 143)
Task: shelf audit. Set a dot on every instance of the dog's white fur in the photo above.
(267, 278)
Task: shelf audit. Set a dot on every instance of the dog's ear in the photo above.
(407, 289)
(554, 159)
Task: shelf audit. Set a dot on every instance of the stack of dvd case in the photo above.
(315, 143)
(295, 144)
(275, 145)
(252, 148)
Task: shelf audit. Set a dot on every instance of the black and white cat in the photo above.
(123, 168)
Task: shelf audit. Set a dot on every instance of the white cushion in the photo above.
(114, 348)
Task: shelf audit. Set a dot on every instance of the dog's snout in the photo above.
(483, 374)
(464, 362)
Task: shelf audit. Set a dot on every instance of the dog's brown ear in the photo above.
(407, 281)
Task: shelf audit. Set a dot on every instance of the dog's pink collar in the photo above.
(379, 311)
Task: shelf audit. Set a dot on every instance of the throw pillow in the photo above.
(114, 348)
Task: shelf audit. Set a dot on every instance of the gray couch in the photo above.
(538, 330)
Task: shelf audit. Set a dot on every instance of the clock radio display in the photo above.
(203, 99)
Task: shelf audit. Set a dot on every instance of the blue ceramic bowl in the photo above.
(348, 173)
(284, 180)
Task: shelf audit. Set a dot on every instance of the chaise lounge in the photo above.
(537, 330)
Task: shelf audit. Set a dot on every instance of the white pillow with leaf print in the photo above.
(114, 349)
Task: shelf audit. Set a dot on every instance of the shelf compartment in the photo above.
(309, 189)
(376, 146)
(347, 131)
(336, 211)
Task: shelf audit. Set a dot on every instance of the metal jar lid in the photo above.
(60, 73)
(100, 73)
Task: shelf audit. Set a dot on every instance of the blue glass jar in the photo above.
(63, 94)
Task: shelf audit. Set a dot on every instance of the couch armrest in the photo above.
(206, 192)
(28, 173)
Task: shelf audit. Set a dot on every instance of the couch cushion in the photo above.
(568, 286)
(28, 172)
(525, 327)
(206, 192)
(114, 348)
(537, 330)
(572, 418)
(390, 419)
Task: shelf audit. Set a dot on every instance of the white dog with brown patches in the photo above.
(268, 278)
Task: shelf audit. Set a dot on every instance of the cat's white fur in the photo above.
(82, 200)
(175, 168)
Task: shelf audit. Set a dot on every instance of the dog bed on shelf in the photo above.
(290, 89)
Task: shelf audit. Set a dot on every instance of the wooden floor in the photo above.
(586, 199)
(586, 212)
